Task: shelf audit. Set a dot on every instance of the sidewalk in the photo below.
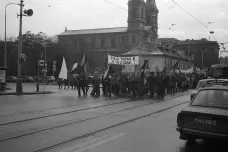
(28, 89)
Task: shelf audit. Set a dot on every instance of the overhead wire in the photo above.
(194, 18)
(127, 10)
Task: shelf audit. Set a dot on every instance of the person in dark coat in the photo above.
(96, 85)
(81, 84)
(66, 84)
(151, 81)
(59, 81)
(103, 85)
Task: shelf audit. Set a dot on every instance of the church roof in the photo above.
(150, 48)
(97, 31)
(146, 48)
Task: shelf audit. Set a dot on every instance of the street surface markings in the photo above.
(89, 145)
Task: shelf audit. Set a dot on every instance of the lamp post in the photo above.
(5, 48)
(26, 13)
(19, 81)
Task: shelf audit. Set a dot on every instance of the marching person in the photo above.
(81, 85)
(151, 80)
(59, 82)
(66, 83)
(96, 85)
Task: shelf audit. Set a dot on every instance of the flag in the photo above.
(63, 71)
(108, 71)
(174, 68)
(83, 60)
(144, 65)
(74, 66)
(76, 69)
(22, 59)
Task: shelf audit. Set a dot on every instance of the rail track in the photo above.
(55, 108)
(90, 118)
(67, 112)
(104, 129)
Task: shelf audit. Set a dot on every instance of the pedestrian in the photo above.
(151, 81)
(81, 85)
(59, 82)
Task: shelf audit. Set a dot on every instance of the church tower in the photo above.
(136, 15)
(152, 15)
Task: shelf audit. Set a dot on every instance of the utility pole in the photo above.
(19, 81)
(202, 59)
(188, 54)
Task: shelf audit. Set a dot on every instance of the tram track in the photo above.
(55, 108)
(83, 120)
(92, 133)
(67, 112)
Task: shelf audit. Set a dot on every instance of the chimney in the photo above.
(65, 28)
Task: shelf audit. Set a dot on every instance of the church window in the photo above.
(142, 13)
(94, 42)
(154, 20)
(102, 42)
(122, 40)
(113, 42)
(134, 12)
(133, 39)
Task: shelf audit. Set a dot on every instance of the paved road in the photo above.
(30, 103)
(67, 126)
(153, 134)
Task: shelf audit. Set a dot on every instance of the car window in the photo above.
(211, 98)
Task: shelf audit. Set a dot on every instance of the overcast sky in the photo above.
(52, 16)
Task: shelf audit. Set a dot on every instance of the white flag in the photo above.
(74, 66)
(63, 72)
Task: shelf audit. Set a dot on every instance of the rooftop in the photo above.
(150, 48)
(97, 31)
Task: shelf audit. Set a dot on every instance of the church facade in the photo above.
(98, 43)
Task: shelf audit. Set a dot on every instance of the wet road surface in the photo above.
(128, 112)
(156, 133)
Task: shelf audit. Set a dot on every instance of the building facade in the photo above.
(204, 52)
(142, 23)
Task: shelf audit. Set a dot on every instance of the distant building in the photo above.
(223, 57)
(142, 25)
(158, 58)
(205, 52)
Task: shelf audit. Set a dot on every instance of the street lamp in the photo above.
(5, 49)
(26, 13)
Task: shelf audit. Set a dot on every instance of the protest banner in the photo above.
(123, 60)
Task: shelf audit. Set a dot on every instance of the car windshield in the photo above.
(202, 85)
(211, 98)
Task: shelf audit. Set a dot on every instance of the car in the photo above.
(11, 79)
(206, 116)
(36, 78)
(205, 83)
(28, 79)
(50, 78)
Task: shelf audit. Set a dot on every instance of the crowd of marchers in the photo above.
(154, 84)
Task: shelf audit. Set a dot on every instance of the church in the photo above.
(139, 38)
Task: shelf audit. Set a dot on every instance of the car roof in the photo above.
(215, 88)
(205, 80)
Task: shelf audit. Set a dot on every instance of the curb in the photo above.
(26, 93)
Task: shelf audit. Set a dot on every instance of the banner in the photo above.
(123, 60)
